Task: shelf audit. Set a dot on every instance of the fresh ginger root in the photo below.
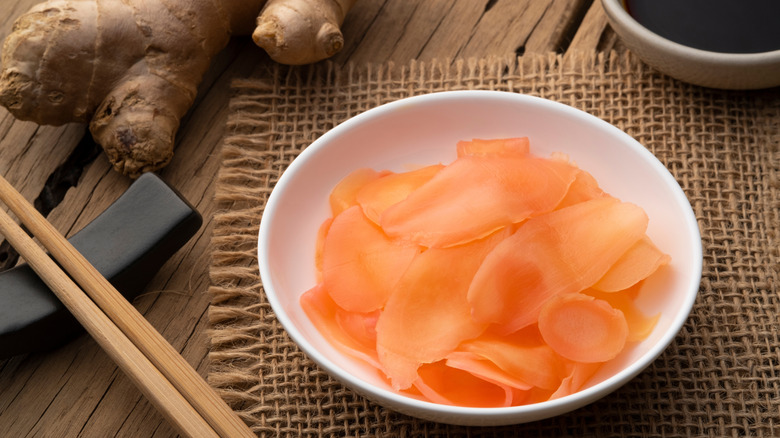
(131, 68)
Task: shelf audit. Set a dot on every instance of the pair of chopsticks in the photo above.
(157, 369)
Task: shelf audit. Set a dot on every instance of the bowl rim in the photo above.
(498, 415)
(616, 12)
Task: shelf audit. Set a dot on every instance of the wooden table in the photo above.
(76, 390)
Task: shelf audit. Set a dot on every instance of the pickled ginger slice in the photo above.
(427, 315)
(344, 194)
(582, 328)
(379, 194)
(638, 263)
(640, 324)
(323, 311)
(476, 195)
(484, 369)
(584, 188)
(499, 146)
(446, 385)
(523, 355)
(360, 264)
(322, 231)
(564, 251)
(575, 381)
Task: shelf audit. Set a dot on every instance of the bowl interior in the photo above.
(424, 130)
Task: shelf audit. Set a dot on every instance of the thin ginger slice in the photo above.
(360, 264)
(360, 326)
(640, 325)
(322, 231)
(523, 355)
(376, 196)
(484, 369)
(501, 146)
(446, 385)
(638, 263)
(530, 396)
(325, 314)
(344, 195)
(564, 251)
(582, 328)
(578, 376)
(476, 195)
(427, 315)
(584, 188)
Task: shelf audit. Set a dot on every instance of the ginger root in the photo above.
(131, 68)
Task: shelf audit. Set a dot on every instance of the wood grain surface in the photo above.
(76, 390)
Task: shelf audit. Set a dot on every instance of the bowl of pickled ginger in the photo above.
(479, 257)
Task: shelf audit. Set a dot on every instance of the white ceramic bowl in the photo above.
(424, 130)
(699, 67)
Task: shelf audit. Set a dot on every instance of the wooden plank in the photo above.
(504, 28)
(356, 26)
(557, 26)
(454, 30)
(29, 153)
(591, 31)
(11, 11)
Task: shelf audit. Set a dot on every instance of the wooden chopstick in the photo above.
(168, 380)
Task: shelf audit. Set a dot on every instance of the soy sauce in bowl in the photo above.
(725, 26)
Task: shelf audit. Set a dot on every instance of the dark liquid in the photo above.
(728, 26)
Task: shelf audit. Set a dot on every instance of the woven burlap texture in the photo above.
(720, 377)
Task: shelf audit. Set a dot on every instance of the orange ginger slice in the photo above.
(376, 196)
(578, 376)
(322, 231)
(444, 384)
(582, 328)
(427, 315)
(325, 315)
(501, 146)
(344, 195)
(484, 369)
(638, 263)
(640, 325)
(564, 251)
(523, 356)
(360, 264)
(476, 195)
(584, 188)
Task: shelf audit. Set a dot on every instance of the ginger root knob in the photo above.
(301, 31)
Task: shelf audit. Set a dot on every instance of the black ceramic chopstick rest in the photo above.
(127, 243)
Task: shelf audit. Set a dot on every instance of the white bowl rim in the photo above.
(553, 407)
(614, 10)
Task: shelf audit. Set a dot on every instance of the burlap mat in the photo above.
(720, 378)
